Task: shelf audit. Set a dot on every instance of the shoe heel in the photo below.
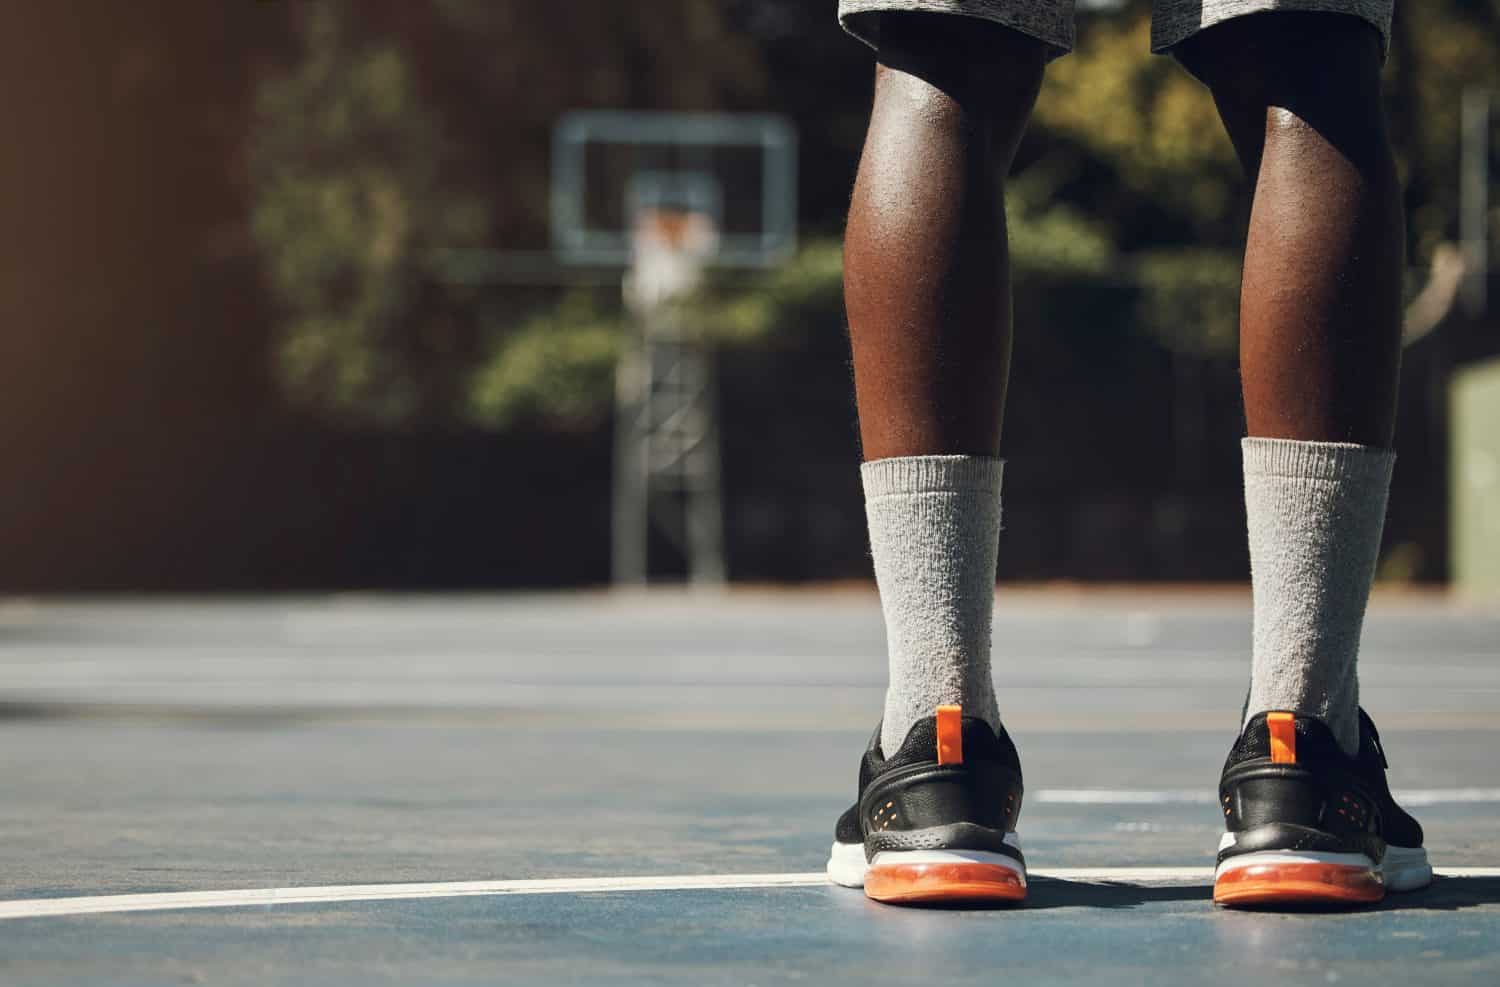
(916, 876)
(1272, 878)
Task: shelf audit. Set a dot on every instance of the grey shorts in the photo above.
(1172, 21)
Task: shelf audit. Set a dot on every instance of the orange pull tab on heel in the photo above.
(950, 735)
(1283, 727)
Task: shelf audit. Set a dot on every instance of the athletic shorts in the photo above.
(1172, 21)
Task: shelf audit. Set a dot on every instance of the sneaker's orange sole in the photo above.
(1301, 883)
(934, 882)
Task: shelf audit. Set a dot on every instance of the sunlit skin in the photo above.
(927, 281)
(926, 270)
(1320, 302)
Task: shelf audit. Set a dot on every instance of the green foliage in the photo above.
(357, 181)
(1149, 125)
(1189, 299)
(349, 191)
(1440, 49)
(807, 291)
(556, 368)
(1048, 235)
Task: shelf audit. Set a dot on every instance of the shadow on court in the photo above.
(1445, 894)
(1054, 893)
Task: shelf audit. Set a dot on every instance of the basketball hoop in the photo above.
(666, 196)
(670, 250)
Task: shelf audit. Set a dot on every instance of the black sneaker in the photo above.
(936, 821)
(1310, 825)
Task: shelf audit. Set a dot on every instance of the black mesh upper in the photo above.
(847, 830)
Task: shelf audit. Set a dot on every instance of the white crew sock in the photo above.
(1315, 511)
(934, 529)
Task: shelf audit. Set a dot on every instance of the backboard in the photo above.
(609, 166)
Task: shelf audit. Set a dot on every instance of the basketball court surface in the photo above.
(642, 789)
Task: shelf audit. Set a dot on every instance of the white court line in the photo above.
(266, 897)
(102, 904)
(1118, 796)
(1173, 796)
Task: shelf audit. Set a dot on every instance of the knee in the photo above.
(1284, 72)
(991, 70)
(1286, 58)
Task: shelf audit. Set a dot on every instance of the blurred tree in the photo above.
(349, 167)
(1438, 49)
(555, 370)
(1134, 141)
(401, 128)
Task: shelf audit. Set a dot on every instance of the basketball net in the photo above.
(670, 248)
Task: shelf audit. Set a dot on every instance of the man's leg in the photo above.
(1320, 325)
(927, 289)
(1309, 814)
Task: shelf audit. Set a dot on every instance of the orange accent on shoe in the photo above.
(917, 883)
(950, 735)
(1283, 727)
(1273, 884)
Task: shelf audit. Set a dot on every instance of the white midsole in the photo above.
(1406, 868)
(847, 865)
(1265, 857)
(1401, 868)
